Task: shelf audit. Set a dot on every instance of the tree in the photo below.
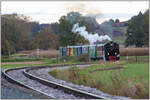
(117, 21)
(136, 32)
(54, 27)
(11, 37)
(111, 21)
(145, 27)
(17, 33)
(66, 36)
(46, 39)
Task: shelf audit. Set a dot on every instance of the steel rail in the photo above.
(66, 89)
(12, 80)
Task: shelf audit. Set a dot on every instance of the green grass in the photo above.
(123, 29)
(21, 65)
(146, 57)
(136, 71)
(134, 59)
(10, 59)
(52, 60)
(46, 61)
(132, 80)
(44, 64)
(119, 39)
(18, 59)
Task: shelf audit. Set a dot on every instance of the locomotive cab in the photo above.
(111, 51)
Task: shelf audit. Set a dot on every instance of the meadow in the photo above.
(131, 80)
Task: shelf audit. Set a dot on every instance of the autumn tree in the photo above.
(11, 34)
(46, 39)
(17, 33)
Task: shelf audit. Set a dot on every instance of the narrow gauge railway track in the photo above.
(51, 89)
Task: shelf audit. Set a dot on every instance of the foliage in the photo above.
(138, 30)
(16, 33)
(66, 36)
(82, 58)
(54, 72)
(46, 39)
(19, 33)
(54, 27)
(111, 21)
(145, 27)
(117, 21)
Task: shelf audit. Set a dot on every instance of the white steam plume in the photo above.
(91, 37)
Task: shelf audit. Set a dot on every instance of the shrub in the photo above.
(54, 72)
(82, 58)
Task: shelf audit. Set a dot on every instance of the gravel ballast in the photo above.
(43, 73)
(11, 93)
(18, 75)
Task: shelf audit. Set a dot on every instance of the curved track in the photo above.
(51, 89)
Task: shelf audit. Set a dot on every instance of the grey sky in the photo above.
(51, 11)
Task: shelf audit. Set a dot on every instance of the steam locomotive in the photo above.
(108, 51)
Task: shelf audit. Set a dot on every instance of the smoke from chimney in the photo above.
(90, 37)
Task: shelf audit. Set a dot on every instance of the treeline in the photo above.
(19, 33)
(138, 30)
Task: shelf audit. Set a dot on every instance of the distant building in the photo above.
(120, 24)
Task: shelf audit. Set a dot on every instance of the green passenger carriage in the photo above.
(107, 51)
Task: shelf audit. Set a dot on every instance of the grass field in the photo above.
(119, 39)
(135, 58)
(123, 29)
(131, 81)
(21, 62)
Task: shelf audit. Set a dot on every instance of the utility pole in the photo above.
(127, 54)
(38, 53)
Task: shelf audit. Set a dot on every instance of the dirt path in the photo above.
(25, 62)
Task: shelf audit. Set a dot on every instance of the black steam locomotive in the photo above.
(111, 50)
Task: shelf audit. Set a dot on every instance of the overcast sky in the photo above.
(51, 11)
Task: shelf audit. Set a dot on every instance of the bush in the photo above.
(66, 58)
(82, 58)
(54, 72)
